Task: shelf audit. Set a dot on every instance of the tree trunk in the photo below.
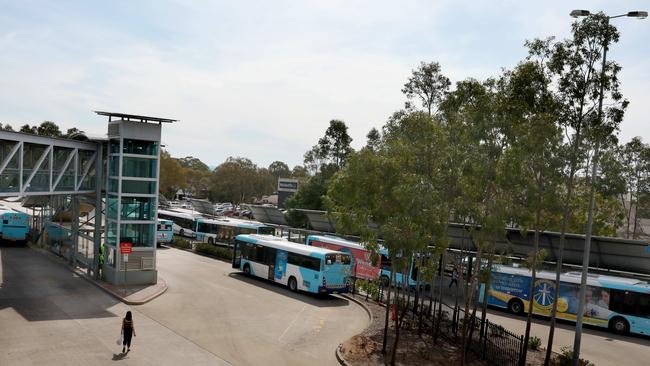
(442, 287)
(486, 291)
(399, 316)
(469, 298)
(391, 281)
(558, 269)
(531, 299)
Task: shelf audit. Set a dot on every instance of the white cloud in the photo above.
(263, 80)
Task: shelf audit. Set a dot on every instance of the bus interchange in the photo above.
(619, 302)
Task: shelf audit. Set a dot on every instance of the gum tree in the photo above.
(577, 85)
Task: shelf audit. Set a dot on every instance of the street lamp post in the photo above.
(592, 196)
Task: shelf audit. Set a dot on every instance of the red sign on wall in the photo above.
(125, 248)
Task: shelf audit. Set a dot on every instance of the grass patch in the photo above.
(209, 249)
(181, 243)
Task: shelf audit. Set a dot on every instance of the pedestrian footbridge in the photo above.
(85, 193)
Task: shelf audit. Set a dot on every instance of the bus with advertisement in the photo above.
(365, 265)
(618, 303)
(14, 225)
(164, 231)
(297, 266)
(224, 231)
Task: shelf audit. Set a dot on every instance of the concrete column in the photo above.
(97, 236)
(75, 228)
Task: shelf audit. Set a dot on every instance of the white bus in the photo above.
(184, 223)
(297, 266)
(225, 230)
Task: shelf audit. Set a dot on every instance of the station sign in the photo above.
(126, 248)
(287, 185)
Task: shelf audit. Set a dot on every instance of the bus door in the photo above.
(271, 254)
(236, 255)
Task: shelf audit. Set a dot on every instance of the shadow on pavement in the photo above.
(120, 356)
(39, 289)
(306, 297)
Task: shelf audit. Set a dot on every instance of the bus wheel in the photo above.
(210, 241)
(385, 281)
(293, 285)
(181, 233)
(619, 325)
(247, 269)
(515, 306)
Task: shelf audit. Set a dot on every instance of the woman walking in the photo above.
(128, 330)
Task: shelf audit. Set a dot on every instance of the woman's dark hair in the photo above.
(128, 315)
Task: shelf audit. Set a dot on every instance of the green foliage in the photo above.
(181, 243)
(534, 343)
(6, 127)
(279, 169)
(369, 287)
(238, 180)
(565, 358)
(541, 256)
(373, 140)
(428, 84)
(209, 249)
(191, 162)
(332, 150)
(172, 175)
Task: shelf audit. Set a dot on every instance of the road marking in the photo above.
(318, 327)
(292, 322)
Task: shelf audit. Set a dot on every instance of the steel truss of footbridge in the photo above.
(32, 165)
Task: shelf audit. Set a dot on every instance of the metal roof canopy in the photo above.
(203, 206)
(135, 117)
(318, 220)
(609, 253)
(269, 215)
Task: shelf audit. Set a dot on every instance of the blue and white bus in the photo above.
(297, 266)
(618, 303)
(164, 231)
(224, 231)
(14, 225)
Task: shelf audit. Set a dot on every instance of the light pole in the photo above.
(592, 196)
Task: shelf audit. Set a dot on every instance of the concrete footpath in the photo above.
(130, 295)
(50, 315)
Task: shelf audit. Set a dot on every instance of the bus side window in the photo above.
(643, 306)
(385, 262)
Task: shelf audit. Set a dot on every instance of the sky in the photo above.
(262, 79)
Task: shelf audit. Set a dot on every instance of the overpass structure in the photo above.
(606, 253)
(118, 172)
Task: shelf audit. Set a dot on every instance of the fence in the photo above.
(490, 342)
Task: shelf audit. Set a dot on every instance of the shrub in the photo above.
(181, 243)
(565, 358)
(534, 343)
(209, 249)
(498, 331)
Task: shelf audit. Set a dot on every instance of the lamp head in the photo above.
(579, 13)
(638, 14)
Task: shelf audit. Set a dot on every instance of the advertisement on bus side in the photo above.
(362, 266)
(504, 287)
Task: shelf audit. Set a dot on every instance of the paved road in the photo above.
(249, 321)
(598, 345)
(207, 317)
